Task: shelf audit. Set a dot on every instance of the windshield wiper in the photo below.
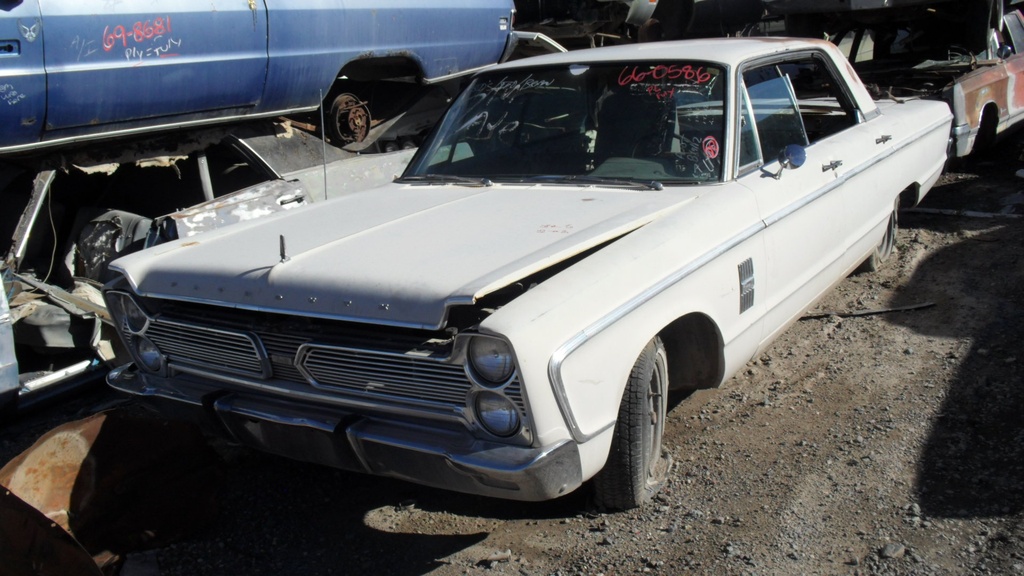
(444, 179)
(598, 181)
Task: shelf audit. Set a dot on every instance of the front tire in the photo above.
(637, 468)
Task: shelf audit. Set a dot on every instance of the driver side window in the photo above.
(775, 110)
(796, 101)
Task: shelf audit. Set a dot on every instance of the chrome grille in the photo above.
(342, 359)
(281, 349)
(371, 372)
(220, 350)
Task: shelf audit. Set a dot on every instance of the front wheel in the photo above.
(637, 468)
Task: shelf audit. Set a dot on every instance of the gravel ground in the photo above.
(887, 443)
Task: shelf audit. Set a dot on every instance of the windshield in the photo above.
(636, 121)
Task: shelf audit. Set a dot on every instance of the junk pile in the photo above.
(89, 492)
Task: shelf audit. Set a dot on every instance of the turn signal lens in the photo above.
(148, 354)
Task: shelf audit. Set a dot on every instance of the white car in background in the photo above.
(582, 235)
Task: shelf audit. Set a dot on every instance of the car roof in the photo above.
(728, 51)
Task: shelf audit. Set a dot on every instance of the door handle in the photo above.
(831, 165)
(883, 139)
(9, 47)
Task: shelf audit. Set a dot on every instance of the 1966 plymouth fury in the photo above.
(582, 234)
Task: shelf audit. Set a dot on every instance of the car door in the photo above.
(129, 60)
(1014, 35)
(807, 226)
(22, 77)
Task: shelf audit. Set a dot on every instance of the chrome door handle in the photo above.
(831, 165)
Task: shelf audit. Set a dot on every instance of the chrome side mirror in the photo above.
(792, 156)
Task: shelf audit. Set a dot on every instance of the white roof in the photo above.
(728, 51)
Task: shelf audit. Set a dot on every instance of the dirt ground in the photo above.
(885, 443)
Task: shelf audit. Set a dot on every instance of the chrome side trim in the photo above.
(746, 274)
(570, 346)
(562, 352)
(168, 127)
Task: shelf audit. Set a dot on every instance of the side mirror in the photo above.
(791, 157)
(1004, 51)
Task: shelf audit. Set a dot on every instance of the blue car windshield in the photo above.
(635, 121)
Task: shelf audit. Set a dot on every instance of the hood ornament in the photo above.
(284, 253)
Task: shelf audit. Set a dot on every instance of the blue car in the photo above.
(78, 70)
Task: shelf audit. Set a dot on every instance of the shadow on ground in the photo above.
(973, 460)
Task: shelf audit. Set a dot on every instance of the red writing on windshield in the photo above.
(662, 72)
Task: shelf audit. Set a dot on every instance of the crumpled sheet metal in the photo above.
(118, 482)
(247, 204)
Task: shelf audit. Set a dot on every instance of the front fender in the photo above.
(578, 334)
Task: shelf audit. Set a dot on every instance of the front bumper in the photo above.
(425, 454)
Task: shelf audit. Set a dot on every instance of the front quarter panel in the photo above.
(577, 335)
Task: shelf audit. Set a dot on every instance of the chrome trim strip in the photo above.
(454, 75)
(574, 343)
(570, 346)
(169, 127)
(286, 312)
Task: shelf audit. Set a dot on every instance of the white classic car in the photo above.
(582, 234)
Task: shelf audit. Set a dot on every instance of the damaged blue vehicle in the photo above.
(70, 71)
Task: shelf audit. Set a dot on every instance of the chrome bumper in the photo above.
(441, 457)
(963, 140)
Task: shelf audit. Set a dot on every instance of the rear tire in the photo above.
(887, 246)
(637, 468)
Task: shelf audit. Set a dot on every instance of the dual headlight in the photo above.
(492, 366)
(133, 321)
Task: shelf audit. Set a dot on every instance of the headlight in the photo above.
(148, 354)
(129, 311)
(497, 414)
(491, 359)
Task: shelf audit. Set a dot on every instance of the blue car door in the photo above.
(22, 78)
(132, 60)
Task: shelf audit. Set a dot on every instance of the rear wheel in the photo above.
(886, 247)
(349, 120)
(637, 468)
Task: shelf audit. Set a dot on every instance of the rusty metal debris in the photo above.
(114, 483)
(855, 313)
(35, 545)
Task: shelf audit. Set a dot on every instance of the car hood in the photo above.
(398, 255)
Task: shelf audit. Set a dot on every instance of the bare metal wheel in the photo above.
(349, 120)
(885, 248)
(637, 468)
